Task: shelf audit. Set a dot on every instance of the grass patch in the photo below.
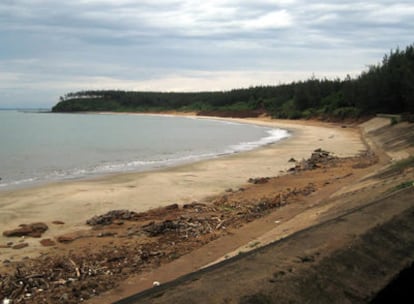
(401, 186)
(228, 208)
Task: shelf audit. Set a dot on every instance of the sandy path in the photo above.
(75, 201)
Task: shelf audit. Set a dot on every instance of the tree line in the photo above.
(387, 87)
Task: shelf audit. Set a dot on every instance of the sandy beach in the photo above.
(73, 202)
(114, 236)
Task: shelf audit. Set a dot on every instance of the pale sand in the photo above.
(74, 202)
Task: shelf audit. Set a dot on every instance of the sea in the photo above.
(40, 147)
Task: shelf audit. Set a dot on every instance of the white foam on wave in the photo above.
(137, 165)
(273, 136)
(18, 182)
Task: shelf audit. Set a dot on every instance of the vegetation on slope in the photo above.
(385, 87)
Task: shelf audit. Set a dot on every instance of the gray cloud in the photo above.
(50, 47)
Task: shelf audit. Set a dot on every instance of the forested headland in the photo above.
(386, 87)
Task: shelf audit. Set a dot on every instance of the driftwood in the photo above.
(153, 237)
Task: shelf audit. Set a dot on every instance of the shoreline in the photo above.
(72, 202)
(97, 172)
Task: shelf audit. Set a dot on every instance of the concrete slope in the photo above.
(346, 259)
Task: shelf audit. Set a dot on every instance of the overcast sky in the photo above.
(51, 47)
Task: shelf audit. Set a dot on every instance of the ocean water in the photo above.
(43, 147)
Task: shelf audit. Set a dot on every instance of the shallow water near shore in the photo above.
(43, 147)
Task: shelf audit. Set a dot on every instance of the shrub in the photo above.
(346, 112)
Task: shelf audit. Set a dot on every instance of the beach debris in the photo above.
(185, 227)
(82, 275)
(58, 222)
(67, 238)
(319, 158)
(194, 205)
(171, 207)
(109, 217)
(75, 267)
(144, 241)
(20, 246)
(47, 242)
(106, 234)
(156, 284)
(259, 180)
(118, 216)
(33, 230)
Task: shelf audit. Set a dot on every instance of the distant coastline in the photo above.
(46, 110)
(384, 88)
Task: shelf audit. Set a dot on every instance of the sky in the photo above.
(51, 47)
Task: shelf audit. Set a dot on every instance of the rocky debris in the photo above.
(33, 230)
(109, 217)
(58, 223)
(118, 216)
(259, 180)
(47, 242)
(318, 159)
(155, 229)
(171, 207)
(20, 246)
(187, 227)
(194, 205)
(67, 238)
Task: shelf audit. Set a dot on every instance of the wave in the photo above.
(18, 182)
(273, 136)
